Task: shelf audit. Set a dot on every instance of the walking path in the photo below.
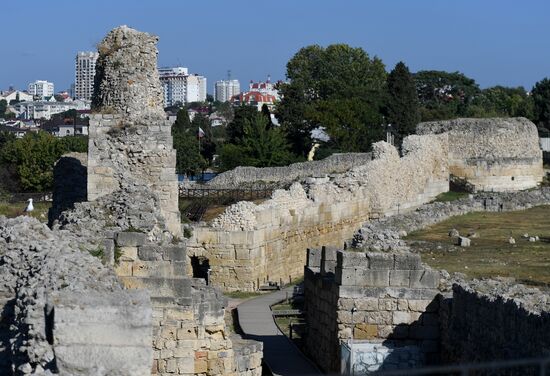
(282, 356)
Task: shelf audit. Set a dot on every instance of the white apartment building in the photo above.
(181, 87)
(225, 89)
(41, 88)
(45, 109)
(84, 74)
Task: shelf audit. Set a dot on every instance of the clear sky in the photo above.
(503, 42)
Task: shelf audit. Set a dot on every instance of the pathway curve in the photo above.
(282, 356)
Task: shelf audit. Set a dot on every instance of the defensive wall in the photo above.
(285, 175)
(408, 315)
(250, 245)
(492, 154)
(402, 314)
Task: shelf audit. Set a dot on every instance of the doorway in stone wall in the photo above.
(201, 267)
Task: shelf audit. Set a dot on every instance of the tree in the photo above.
(352, 124)
(235, 129)
(189, 160)
(402, 106)
(33, 157)
(500, 101)
(261, 146)
(201, 126)
(541, 103)
(444, 95)
(3, 107)
(329, 76)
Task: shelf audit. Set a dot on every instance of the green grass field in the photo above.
(490, 254)
(12, 210)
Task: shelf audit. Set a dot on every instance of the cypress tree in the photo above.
(402, 106)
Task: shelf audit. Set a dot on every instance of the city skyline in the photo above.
(493, 42)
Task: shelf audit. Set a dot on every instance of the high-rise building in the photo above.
(180, 87)
(225, 89)
(41, 88)
(84, 74)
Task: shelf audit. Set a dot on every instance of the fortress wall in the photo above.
(394, 300)
(122, 152)
(492, 154)
(494, 320)
(334, 164)
(249, 245)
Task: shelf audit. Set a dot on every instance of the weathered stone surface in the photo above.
(127, 80)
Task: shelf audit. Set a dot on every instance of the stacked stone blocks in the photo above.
(370, 296)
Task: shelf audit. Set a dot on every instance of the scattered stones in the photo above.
(473, 235)
(532, 239)
(454, 233)
(511, 240)
(463, 241)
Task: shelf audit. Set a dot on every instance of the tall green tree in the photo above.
(541, 103)
(235, 128)
(321, 78)
(444, 95)
(261, 146)
(189, 160)
(3, 107)
(33, 157)
(501, 101)
(403, 107)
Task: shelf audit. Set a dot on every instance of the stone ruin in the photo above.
(250, 245)
(130, 139)
(132, 309)
(407, 315)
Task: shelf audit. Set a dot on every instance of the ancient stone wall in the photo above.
(249, 245)
(64, 311)
(126, 80)
(130, 141)
(372, 297)
(500, 154)
(281, 176)
(494, 320)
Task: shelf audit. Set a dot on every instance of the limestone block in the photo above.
(128, 253)
(313, 258)
(401, 317)
(174, 253)
(345, 277)
(387, 304)
(150, 253)
(365, 331)
(352, 259)
(380, 261)
(400, 277)
(407, 261)
(124, 268)
(428, 279)
(372, 278)
(367, 304)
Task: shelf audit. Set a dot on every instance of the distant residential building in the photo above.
(45, 109)
(41, 88)
(15, 95)
(84, 75)
(180, 87)
(196, 88)
(224, 90)
(254, 98)
(216, 120)
(259, 93)
(72, 91)
(62, 129)
(266, 87)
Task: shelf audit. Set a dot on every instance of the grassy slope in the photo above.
(491, 254)
(12, 210)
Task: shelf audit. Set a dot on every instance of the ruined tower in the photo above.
(130, 139)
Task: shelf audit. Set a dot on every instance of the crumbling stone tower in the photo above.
(130, 139)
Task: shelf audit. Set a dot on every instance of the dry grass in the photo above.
(491, 254)
(12, 210)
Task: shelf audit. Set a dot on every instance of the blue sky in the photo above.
(493, 41)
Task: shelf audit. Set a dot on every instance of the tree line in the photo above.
(354, 101)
